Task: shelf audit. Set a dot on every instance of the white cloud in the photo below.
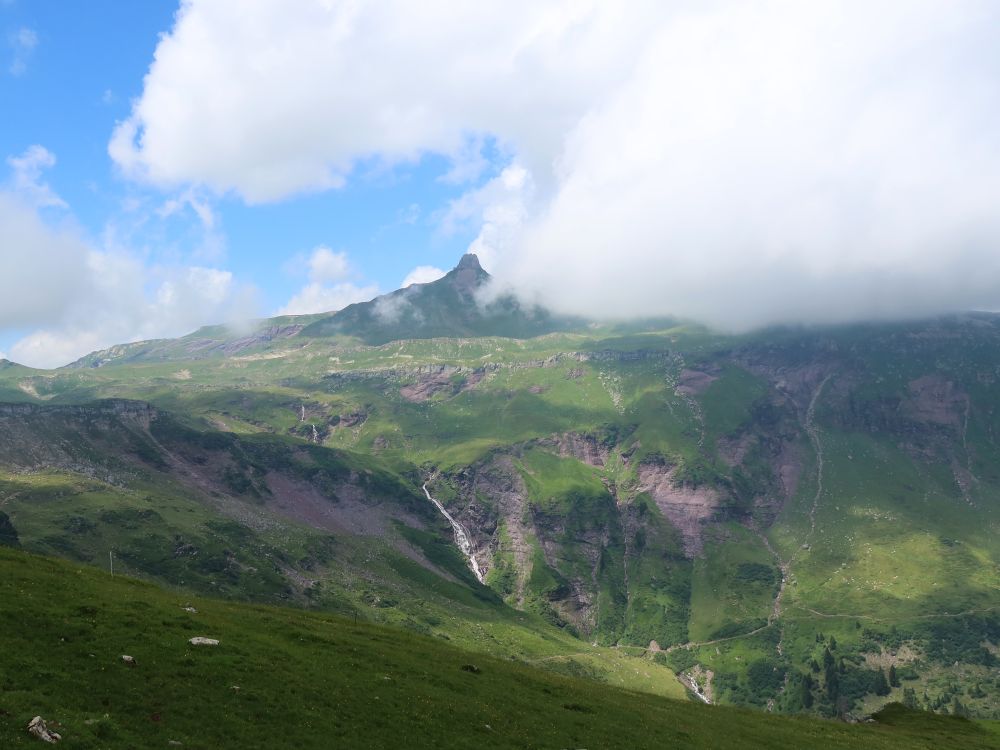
(22, 42)
(129, 301)
(422, 275)
(409, 215)
(501, 207)
(468, 163)
(326, 265)
(190, 198)
(317, 298)
(75, 298)
(738, 162)
(391, 307)
(327, 289)
(26, 177)
(804, 178)
(43, 270)
(283, 100)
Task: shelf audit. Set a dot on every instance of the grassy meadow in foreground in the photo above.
(287, 678)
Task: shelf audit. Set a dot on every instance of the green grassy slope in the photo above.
(285, 678)
(563, 453)
(268, 519)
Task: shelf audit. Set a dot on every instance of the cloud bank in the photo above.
(76, 296)
(27, 179)
(422, 275)
(742, 163)
(328, 288)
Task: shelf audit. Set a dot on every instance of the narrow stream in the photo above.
(461, 537)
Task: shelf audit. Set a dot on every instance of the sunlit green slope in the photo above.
(286, 678)
(799, 520)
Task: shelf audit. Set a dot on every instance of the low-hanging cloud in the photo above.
(329, 286)
(129, 301)
(73, 296)
(46, 266)
(742, 163)
(422, 275)
(26, 177)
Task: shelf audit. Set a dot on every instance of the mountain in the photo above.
(448, 307)
(210, 341)
(452, 306)
(798, 520)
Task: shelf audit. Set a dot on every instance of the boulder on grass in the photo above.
(38, 728)
(202, 641)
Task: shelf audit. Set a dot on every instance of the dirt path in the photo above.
(813, 432)
(461, 536)
(699, 644)
(762, 628)
(785, 567)
(938, 616)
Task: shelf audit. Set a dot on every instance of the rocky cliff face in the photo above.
(583, 561)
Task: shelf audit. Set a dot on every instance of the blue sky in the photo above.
(83, 66)
(168, 165)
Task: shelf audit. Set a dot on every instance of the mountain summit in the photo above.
(469, 261)
(448, 307)
(469, 274)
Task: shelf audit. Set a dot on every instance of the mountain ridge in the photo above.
(778, 517)
(448, 307)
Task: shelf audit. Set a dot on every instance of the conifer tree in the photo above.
(806, 688)
(881, 686)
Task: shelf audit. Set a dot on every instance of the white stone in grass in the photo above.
(202, 641)
(37, 728)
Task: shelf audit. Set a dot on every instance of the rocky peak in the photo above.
(468, 275)
(469, 261)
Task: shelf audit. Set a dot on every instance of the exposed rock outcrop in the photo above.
(500, 516)
(687, 508)
(584, 448)
(694, 382)
(450, 380)
(935, 400)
